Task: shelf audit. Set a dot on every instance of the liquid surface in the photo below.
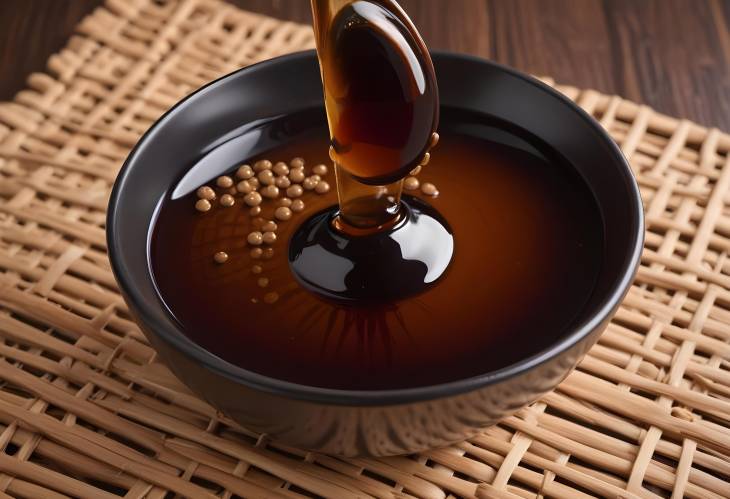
(379, 86)
(390, 265)
(527, 238)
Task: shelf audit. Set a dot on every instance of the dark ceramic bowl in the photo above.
(367, 422)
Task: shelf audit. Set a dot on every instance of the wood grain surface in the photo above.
(673, 55)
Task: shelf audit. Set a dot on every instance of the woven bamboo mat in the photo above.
(87, 411)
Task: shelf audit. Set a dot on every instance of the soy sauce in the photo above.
(379, 86)
(507, 263)
(529, 249)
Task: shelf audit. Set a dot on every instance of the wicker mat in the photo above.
(87, 411)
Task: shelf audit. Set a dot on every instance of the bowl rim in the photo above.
(288, 389)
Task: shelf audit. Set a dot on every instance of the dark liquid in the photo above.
(528, 246)
(379, 85)
(391, 265)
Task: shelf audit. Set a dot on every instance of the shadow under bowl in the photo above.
(382, 422)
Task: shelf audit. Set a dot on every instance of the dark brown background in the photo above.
(671, 54)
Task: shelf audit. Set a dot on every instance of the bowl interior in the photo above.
(269, 90)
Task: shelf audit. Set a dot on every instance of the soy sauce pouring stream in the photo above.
(382, 105)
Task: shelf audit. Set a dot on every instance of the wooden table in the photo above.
(673, 55)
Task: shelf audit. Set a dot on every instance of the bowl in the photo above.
(382, 422)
